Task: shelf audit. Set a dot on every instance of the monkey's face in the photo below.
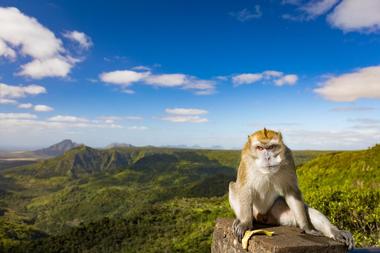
(266, 147)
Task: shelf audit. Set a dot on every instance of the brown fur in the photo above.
(266, 135)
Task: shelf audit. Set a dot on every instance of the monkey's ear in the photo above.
(279, 135)
(249, 140)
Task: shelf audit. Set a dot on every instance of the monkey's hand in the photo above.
(239, 229)
(344, 237)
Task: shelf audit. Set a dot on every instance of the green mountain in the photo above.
(131, 199)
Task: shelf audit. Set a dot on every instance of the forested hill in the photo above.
(346, 187)
(84, 160)
(132, 199)
(352, 169)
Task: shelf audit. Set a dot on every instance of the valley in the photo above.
(134, 199)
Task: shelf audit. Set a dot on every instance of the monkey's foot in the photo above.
(312, 232)
(345, 237)
(239, 229)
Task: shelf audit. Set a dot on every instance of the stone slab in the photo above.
(285, 239)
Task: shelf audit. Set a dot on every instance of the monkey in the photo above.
(266, 191)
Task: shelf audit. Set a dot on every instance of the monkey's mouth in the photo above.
(272, 167)
(269, 169)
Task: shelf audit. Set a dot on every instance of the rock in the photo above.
(285, 239)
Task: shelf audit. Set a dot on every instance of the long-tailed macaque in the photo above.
(266, 191)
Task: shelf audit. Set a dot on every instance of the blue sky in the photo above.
(190, 72)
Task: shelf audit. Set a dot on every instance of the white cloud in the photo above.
(354, 15)
(68, 118)
(12, 115)
(166, 80)
(141, 68)
(287, 79)
(110, 119)
(25, 36)
(199, 87)
(184, 119)
(126, 78)
(16, 122)
(123, 77)
(51, 67)
(246, 78)
(79, 37)
(6, 51)
(245, 14)
(272, 73)
(35, 40)
(347, 15)
(318, 7)
(356, 137)
(279, 78)
(5, 101)
(43, 108)
(310, 10)
(8, 93)
(183, 115)
(185, 111)
(113, 119)
(362, 83)
(25, 106)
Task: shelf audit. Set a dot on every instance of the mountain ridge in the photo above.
(168, 199)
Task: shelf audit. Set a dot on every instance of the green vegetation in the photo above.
(164, 200)
(346, 187)
(5, 164)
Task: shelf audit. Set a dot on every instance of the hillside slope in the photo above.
(156, 199)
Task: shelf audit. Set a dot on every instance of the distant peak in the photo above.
(57, 149)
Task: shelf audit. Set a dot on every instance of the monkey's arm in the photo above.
(241, 202)
(297, 206)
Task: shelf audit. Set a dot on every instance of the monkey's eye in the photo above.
(270, 147)
(259, 148)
